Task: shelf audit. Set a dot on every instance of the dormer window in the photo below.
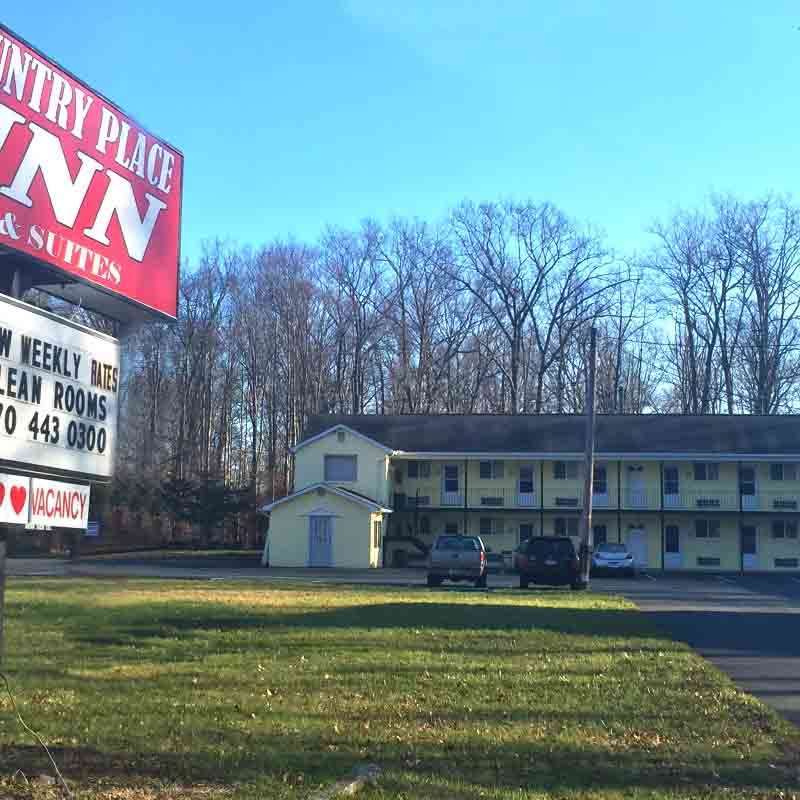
(341, 468)
(340, 436)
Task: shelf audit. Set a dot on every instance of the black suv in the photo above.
(550, 560)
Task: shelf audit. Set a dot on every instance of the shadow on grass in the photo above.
(538, 765)
(188, 619)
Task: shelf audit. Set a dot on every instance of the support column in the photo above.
(619, 501)
(541, 498)
(661, 507)
(466, 492)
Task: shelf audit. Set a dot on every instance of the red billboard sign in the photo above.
(83, 188)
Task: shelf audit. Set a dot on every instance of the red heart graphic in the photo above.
(2, 493)
(18, 495)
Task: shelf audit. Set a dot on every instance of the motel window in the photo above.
(706, 471)
(488, 526)
(600, 482)
(565, 470)
(341, 468)
(600, 535)
(451, 528)
(424, 526)
(492, 470)
(784, 529)
(782, 472)
(706, 528)
(419, 469)
(377, 533)
(566, 526)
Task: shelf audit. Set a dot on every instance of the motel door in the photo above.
(637, 487)
(672, 547)
(637, 546)
(747, 488)
(320, 542)
(749, 547)
(451, 495)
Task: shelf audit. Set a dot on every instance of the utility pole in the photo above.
(587, 537)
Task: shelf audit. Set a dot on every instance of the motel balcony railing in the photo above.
(701, 501)
(771, 500)
(571, 499)
(489, 496)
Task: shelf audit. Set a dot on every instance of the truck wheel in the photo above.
(578, 586)
(481, 582)
(523, 582)
(434, 580)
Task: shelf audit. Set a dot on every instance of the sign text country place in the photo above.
(83, 188)
(59, 505)
(14, 499)
(59, 384)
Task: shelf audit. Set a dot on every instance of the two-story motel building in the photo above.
(683, 492)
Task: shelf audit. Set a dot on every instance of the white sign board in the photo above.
(58, 393)
(14, 499)
(59, 505)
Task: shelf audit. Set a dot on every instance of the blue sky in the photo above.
(296, 115)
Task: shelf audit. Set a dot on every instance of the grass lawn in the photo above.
(158, 689)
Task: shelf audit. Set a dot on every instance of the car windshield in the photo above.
(611, 547)
(456, 543)
(559, 548)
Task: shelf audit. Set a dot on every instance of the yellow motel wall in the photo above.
(642, 531)
(352, 531)
(373, 465)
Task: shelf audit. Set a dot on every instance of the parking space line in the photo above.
(796, 580)
(723, 579)
(648, 575)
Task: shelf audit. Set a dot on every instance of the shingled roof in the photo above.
(649, 434)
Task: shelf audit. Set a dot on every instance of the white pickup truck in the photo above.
(457, 558)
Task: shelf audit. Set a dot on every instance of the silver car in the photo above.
(613, 557)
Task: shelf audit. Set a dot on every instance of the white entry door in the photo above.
(637, 546)
(320, 542)
(637, 488)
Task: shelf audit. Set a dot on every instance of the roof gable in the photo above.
(353, 497)
(317, 436)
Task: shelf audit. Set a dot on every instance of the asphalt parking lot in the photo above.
(748, 625)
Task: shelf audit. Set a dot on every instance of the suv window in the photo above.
(462, 543)
(542, 548)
